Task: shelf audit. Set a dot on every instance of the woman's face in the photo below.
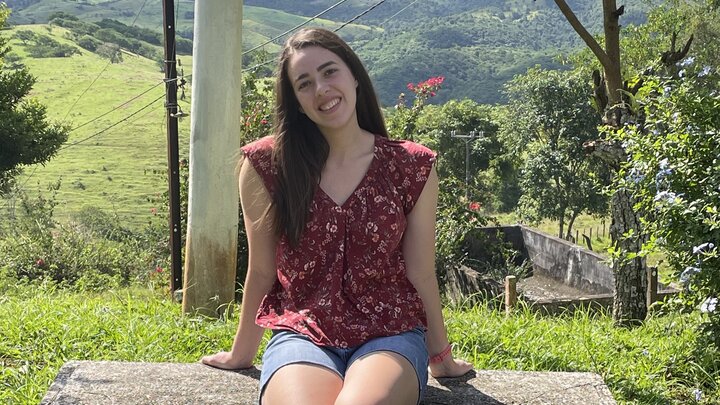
(325, 88)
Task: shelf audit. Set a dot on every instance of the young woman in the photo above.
(341, 231)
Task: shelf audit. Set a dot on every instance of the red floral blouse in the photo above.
(345, 282)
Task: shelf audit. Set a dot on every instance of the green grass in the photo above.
(42, 327)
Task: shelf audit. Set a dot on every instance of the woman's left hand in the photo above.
(450, 367)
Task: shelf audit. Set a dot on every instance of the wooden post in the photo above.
(211, 250)
(652, 286)
(577, 237)
(510, 294)
(172, 147)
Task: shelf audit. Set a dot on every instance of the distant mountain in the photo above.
(477, 45)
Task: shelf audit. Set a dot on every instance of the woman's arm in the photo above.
(261, 272)
(419, 252)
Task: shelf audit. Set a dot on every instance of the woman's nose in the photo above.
(322, 88)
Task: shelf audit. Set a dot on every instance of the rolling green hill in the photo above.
(477, 45)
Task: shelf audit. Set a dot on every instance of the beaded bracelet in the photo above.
(438, 358)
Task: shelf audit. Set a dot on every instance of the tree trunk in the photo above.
(629, 306)
(568, 235)
(613, 76)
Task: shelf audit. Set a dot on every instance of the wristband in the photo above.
(438, 358)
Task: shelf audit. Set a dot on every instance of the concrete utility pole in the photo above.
(210, 254)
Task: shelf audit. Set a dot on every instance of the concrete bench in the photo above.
(111, 382)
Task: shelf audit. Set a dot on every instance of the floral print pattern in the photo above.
(346, 281)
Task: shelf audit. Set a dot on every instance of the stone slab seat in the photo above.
(112, 382)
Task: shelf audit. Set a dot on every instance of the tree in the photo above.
(629, 305)
(548, 118)
(26, 136)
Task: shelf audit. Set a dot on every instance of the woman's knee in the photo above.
(380, 378)
(301, 384)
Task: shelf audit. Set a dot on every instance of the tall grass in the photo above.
(41, 327)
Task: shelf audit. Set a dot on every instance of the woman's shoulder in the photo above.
(402, 148)
(262, 145)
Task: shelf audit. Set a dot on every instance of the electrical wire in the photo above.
(103, 70)
(116, 108)
(401, 10)
(111, 126)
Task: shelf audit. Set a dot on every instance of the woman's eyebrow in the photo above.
(319, 68)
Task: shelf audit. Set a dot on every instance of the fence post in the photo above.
(510, 294)
(652, 286)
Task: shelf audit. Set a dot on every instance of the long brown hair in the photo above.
(300, 149)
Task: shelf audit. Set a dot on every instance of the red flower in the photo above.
(264, 122)
(40, 262)
(474, 206)
(158, 269)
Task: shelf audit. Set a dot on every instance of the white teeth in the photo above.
(329, 105)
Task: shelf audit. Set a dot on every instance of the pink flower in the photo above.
(40, 262)
(158, 269)
(153, 211)
(474, 206)
(264, 122)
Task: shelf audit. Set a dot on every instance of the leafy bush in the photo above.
(674, 173)
(94, 253)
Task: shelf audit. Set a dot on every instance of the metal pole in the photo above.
(172, 144)
(467, 165)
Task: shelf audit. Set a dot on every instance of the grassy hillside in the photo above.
(112, 170)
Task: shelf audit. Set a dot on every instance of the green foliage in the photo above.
(674, 174)
(95, 253)
(547, 120)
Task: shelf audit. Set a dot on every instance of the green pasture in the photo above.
(109, 162)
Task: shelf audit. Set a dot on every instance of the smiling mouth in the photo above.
(330, 105)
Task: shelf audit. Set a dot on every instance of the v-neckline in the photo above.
(360, 184)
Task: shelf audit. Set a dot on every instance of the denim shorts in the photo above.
(289, 347)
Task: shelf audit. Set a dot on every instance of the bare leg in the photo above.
(302, 384)
(380, 378)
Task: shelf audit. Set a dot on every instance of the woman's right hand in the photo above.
(225, 361)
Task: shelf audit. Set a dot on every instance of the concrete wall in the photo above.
(567, 262)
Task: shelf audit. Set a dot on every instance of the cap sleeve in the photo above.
(416, 164)
(259, 153)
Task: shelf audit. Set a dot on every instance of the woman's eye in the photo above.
(330, 71)
(303, 85)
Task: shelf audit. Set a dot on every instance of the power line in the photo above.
(296, 27)
(111, 126)
(401, 10)
(359, 15)
(103, 70)
(116, 108)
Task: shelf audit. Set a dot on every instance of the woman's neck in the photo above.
(348, 144)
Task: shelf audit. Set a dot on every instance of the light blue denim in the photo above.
(289, 347)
